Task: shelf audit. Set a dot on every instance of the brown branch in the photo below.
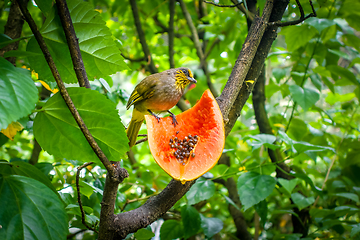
(73, 43)
(154, 208)
(265, 127)
(107, 216)
(295, 22)
(141, 35)
(213, 44)
(236, 214)
(249, 15)
(79, 196)
(109, 167)
(171, 34)
(228, 99)
(13, 29)
(197, 44)
(223, 6)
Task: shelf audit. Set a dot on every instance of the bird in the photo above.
(156, 93)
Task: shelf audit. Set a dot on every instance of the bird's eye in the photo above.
(185, 71)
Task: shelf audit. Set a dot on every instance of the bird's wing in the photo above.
(144, 90)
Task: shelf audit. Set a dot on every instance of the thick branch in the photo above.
(109, 167)
(232, 88)
(264, 125)
(141, 35)
(238, 217)
(107, 217)
(73, 43)
(13, 29)
(153, 209)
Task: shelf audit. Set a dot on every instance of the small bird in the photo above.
(158, 92)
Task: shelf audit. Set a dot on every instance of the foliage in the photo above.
(312, 102)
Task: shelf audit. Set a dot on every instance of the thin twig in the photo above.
(73, 43)
(141, 36)
(224, 6)
(216, 41)
(171, 33)
(197, 44)
(295, 22)
(79, 196)
(141, 140)
(109, 167)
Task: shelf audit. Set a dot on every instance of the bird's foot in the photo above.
(174, 121)
(156, 116)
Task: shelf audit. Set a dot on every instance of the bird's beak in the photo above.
(192, 79)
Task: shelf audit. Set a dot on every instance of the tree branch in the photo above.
(295, 22)
(223, 6)
(228, 98)
(13, 29)
(154, 208)
(79, 196)
(73, 43)
(197, 44)
(141, 35)
(171, 33)
(63, 91)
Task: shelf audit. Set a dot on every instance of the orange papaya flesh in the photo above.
(203, 124)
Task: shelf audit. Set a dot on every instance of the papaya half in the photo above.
(194, 145)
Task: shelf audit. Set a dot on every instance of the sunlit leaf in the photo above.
(100, 55)
(12, 129)
(18, 94)
(57, 132)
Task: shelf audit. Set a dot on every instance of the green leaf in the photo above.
(27, 170)
(100, 55)
(263, 139)
(45, 6)
(211, 226)
(203, 189)
(87, 189)
(351, 196)
(301, 147)
(18, 94)
(355, 230)
(302, 202)
(298, 35)
(254, 188)
(289, 185)
(305, 97)
(262, 209)
(342, 76)
(231, 202)
(320, 23)
(144, 234)
(171, 229)
(191, 220)
(57, 132)
(32, 211)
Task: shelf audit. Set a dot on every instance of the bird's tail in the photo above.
(134, 126)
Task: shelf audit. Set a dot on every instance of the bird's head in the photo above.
(183, 76)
